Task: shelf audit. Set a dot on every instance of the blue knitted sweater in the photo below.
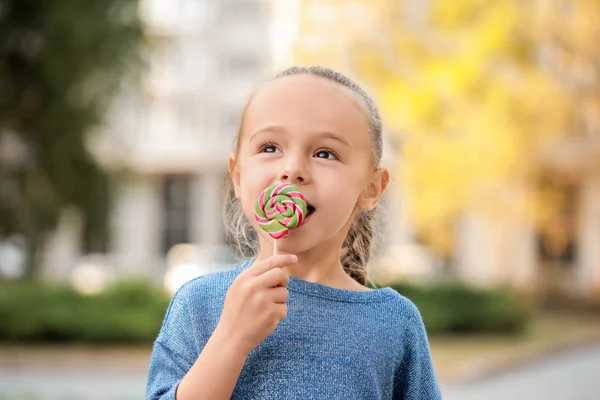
(334, 344)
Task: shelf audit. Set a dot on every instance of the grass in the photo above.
(466, 357)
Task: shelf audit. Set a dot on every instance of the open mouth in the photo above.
(310, 209)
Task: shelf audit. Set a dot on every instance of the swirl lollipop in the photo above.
(280, 208)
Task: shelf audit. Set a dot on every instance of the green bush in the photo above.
(32, 312)
(35, 312)
(458, 308)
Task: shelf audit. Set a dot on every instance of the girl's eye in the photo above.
(268, 148)
(326, 154)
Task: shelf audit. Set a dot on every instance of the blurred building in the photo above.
(167, 141)
(564, 259)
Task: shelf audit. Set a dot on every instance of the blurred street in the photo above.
(562, 377)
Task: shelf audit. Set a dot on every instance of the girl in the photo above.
(300, 324)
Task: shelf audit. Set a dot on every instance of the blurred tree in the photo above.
(477, 89)
(61, 61)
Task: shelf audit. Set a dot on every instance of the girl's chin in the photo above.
(294, 243)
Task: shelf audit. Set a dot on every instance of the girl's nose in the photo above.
(291, 179)
(294, 173)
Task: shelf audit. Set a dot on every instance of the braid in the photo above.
(356, 250)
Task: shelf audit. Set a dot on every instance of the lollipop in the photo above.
(280, 208)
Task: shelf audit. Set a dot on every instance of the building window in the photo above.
(557, 241)
(176, 210)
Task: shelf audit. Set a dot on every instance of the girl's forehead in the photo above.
(305, 102)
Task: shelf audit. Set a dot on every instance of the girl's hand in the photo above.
(255, 303)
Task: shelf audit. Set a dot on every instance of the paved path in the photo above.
(72, 385)
(570, 376)
(73, 373)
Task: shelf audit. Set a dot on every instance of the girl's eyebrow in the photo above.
(335, 137)
(265, 130)
(279, 129)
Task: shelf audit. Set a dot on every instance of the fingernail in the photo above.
(294, 258)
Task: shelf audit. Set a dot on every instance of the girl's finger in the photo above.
(272, 278)
(279, 294)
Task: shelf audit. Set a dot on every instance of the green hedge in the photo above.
(34, 312)
(458, 308)
(133, 312)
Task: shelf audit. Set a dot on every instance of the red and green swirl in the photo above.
(280, 208)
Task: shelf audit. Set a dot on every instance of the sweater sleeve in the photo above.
(174, 350)
(415, 378)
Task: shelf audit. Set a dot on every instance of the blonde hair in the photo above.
(356, 249)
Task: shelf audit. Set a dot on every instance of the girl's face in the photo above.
(308, 132)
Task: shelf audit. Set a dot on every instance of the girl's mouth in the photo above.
(311, 209)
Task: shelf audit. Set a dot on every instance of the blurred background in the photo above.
(117, 117)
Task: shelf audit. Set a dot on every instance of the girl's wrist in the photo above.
(225, 338)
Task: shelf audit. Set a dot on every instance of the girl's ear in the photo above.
(234, 173)
(370, 197)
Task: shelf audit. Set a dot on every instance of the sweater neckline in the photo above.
(328, 292)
